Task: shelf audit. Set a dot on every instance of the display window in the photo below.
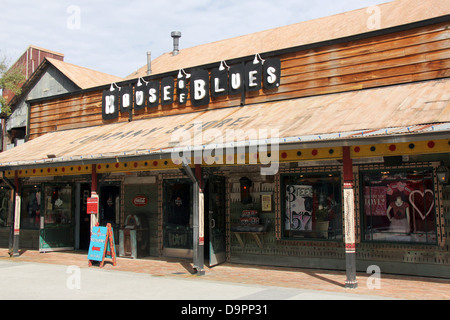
(5, 195)
(30, 208)
(58, 204)
(398, 206)
(312, 206)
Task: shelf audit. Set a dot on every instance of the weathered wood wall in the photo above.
(408, 56)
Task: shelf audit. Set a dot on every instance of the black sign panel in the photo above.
(253, 76)
(182, 90)
(167, 90)
(219, 82)
(110, 104)
(152, 94)
(199, 87)
(272, 73)
(126, 99)
(139, 96)
(236, 79)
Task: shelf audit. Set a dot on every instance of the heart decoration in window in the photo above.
(420, 201)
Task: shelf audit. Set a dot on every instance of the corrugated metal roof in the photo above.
(342, 25)
(83, 77)
(388, 111)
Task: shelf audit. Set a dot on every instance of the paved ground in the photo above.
(228, 281)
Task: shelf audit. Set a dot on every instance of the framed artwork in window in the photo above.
(266, 202)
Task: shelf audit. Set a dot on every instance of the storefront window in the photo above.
(30, 212)
(58, 204)
(312, 206)
(399, 206)
(5, 196)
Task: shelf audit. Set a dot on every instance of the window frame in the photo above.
(338, 237)
(362, 213)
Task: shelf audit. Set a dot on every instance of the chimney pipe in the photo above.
(149, 63)
(176, 35)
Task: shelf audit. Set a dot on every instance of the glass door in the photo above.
(215, 208)
(177, 217)
(56, 224)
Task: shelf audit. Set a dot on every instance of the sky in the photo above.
(114, 36)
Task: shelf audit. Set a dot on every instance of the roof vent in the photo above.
(149, 63)
(176, 35)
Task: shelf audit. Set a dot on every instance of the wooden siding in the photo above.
(402, 57)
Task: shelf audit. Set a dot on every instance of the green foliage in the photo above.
(323, 213)
(11, 80)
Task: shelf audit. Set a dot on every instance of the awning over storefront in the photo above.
(391, 111)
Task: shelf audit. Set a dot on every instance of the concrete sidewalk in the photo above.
(396, 287)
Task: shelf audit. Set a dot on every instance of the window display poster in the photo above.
(400, 205)
(375, 201)
(298, 207)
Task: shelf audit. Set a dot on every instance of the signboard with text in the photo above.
(97, 245)
(201, 85)
(92, 205)
(102, 245)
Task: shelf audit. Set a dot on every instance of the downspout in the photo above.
(198, 217)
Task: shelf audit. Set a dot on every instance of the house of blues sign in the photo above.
(201, 86)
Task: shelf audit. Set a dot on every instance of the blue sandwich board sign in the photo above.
(97, 245)
(102, 245)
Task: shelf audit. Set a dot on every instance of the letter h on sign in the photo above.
(110, 104)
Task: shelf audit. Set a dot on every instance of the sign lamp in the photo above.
(246, 184)
(442, 174)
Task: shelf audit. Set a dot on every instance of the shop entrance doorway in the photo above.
(56, 227)
(177, 218)
(85, 219)
(109, 204)
(215, 222)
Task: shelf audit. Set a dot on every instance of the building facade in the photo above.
(331, 153)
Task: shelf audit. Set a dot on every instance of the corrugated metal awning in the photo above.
(393, 111)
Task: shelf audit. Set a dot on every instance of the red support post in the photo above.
(94, 178)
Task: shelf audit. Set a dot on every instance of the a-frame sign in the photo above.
(102, 245)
